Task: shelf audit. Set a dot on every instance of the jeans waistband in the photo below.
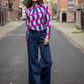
(34, 31)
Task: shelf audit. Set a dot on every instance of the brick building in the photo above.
(53, 14)
(3, 19)
(22, 9)
(9, 10)
(12, 9)
(66, 10)
(50, 2)
(80, 14)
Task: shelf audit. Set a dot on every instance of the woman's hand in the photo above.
(46, 41)
(26, 44)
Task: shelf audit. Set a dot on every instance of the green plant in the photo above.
(25, 2)
(54, 7)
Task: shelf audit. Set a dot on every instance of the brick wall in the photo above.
(12, 15)
(75, 4)
(54, 1)
(20, 1)
(3, 18)
(78, 18)
(80, 1)
(50, 9)
(15, 4)
(70, 16)
(4, 2)
(78, 14)
(63, 4)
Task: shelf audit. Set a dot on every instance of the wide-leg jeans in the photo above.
(39, 70)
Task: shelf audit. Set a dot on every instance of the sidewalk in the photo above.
(10, 26)
(69, 31)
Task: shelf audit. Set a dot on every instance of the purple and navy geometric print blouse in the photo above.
(38, 18)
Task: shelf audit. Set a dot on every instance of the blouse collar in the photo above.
(35, 5)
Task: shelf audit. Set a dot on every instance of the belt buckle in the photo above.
(37, 31)
(32, 31)
(43, 31)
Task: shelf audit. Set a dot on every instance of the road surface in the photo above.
(67, 67)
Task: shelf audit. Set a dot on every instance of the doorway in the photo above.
(82, 20)
(63, 17)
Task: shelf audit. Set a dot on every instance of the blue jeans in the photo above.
(39, 70)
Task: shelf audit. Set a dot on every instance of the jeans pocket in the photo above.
(30, 34)
(43, 35)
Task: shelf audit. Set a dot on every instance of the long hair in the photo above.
(29, 4)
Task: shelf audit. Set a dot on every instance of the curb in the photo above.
(76, 45)
(5, 30)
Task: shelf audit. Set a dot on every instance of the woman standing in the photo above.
(38, 34)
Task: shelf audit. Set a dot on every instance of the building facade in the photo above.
(12, 9)
(3, 19)
(9, 10)
(22, 9)
(66, 10)
(80, 14)
(52, 11)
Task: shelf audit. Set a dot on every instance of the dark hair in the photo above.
(29, 4)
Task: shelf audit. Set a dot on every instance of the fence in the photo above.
(3, 19)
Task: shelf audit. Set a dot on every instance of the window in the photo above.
(70, 5)
(10, 4)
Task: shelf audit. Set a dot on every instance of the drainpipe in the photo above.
(76, 3)
(18, 10)
(76, 11)
(58, 10)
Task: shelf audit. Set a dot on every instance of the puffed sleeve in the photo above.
(47, 21)
(27, 24)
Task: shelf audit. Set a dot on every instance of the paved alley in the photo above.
(68, 61)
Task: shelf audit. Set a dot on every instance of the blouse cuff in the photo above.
(48, 35)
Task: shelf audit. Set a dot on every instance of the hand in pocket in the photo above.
(46, 41)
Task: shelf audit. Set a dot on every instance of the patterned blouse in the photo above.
(38, 18)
